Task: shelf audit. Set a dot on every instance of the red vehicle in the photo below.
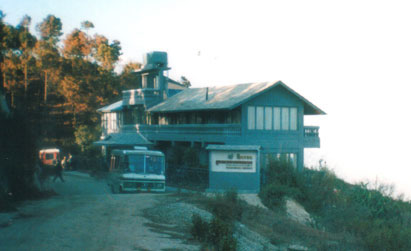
(49, 157)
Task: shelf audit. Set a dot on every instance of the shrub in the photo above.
(319, 188)
(281, 172)
(221, 235)
(273, 195)
(200, 228)
(218, 233)
(85, 136)
(227, 206)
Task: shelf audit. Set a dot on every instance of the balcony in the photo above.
(187, 132)
(311, 137)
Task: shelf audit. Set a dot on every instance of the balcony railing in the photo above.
(311, 136)
(189, 132)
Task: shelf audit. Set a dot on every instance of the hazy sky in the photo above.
(350, 58)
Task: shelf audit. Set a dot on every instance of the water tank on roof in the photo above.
(155, 59)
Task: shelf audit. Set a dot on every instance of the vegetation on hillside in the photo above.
(218, 233)
(50, 88)
(61, 80)
(369, 212)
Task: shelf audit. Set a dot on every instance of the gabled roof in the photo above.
(224, 97)
(117, 106)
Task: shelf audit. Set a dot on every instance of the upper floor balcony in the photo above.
(222, 133)
(187, 132)
(311, 137)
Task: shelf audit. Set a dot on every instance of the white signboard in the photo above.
(233, 161)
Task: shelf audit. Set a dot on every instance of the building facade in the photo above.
(163, 114)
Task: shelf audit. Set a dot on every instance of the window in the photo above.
(260, 118)
(293, 118)
(272, 118)
(251, 117)
(49, 156)
(285, 118)
(277, 118)
(268, 118)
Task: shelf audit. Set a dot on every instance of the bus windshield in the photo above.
(136, 163)
(154, 164)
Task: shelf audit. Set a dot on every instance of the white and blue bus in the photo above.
(137, 170)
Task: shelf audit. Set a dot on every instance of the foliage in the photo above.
(18, 158)
(219, 232)
(368, 212)
(200, 228)
(274, 195)
(281, 181)
(65, 80)
(85, 136)
(227, 206)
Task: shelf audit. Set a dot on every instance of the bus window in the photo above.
(154, 164)
(136, 163)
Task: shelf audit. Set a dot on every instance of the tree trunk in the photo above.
(25, 80)
(12, 100)
(45, 87)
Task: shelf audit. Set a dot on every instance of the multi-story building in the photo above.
(163, 113)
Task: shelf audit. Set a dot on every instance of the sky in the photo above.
(350, 58)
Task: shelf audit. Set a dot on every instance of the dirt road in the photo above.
(86, 216)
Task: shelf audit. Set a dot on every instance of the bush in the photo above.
(282, 180)
(218, 233)
(200, 228)
(85, 136)
(281, 172)
(318, 188)
(221, 235)
(378, 220)
(227, 206)
(273, 195)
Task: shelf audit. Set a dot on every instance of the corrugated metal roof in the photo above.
(223, 97)
(117, 106)
(117, 139)
(234, 147)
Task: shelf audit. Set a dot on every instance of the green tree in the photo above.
(106, 54)
(27, 43)
(8, 43)
(47, 50)
(77, 45)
